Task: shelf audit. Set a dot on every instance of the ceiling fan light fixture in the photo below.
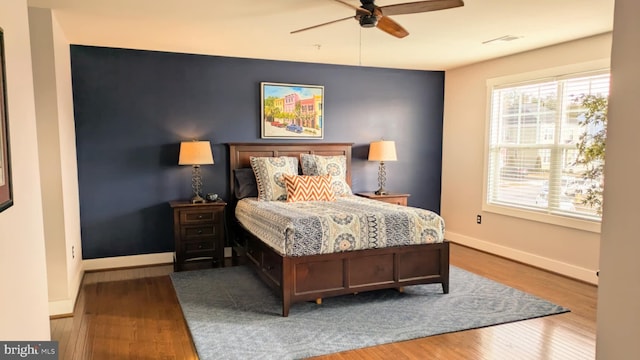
(368, 21)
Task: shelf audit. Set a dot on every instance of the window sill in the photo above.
(574, 223)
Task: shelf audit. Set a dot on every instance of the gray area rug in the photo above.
(232, 315)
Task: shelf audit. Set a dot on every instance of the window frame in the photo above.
(561, 73)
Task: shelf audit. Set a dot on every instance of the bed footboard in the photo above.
(306, 278)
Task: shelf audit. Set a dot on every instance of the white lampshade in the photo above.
(382, 150)
(195, 153)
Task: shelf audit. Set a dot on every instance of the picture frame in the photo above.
(6, 196)
(291, 111)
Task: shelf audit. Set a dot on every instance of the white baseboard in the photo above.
(61, 307)
(572, 271)
(134, 260)
(66, 306)
(127, 261)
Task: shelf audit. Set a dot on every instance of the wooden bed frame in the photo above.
(306, 278)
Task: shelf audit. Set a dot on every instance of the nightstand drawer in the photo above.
(195, 232)
(197, 216)
(198, 246)
(397, 199)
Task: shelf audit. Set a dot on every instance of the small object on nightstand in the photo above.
(212, 197)
(198, 231)
(391, 198)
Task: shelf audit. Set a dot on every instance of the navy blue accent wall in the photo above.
(132, 109)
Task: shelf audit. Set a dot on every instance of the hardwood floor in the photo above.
(134, 314)
(125, 314)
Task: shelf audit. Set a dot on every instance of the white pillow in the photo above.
(269, 172)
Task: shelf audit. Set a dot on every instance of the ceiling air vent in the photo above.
(504, 38)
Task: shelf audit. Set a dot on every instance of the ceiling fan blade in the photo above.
(319, 25)
(391, 27)
(359, 10)
(420, 6)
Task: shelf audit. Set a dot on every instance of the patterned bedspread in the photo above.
(349, 223)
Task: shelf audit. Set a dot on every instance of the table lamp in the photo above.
(196, 153)
(382, 151)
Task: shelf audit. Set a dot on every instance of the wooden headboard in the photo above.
(239, 154)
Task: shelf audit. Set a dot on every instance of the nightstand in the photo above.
(198, 231)
(398, 199)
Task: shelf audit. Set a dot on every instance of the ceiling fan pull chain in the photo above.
(360, 49)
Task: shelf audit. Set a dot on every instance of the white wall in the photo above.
(564, 250)
(68, 163)
(619, 291)
(23, 280)
(48, 151)
(58, 166)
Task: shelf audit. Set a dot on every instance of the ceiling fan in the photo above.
(371, 15)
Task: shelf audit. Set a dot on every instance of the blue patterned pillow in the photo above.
(336, 166)
(269, 172)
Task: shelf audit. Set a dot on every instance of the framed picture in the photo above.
(291, 111)
(6, 199)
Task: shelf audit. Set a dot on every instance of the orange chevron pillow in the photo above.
(308, 188)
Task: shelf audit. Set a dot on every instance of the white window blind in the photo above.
(533, 131)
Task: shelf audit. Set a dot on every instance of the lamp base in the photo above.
(197, 199)
(382, 179)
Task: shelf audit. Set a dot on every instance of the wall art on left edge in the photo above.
(6, 199)
(291, 111)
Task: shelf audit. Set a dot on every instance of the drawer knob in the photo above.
(199, 216)
(199, 246)
(200, 232)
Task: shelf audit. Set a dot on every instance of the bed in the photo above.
(301, 277)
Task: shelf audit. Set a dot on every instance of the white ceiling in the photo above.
(261, 29)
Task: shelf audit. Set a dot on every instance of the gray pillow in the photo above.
(245, 183)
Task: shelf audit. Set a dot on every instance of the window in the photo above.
(534, 129)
